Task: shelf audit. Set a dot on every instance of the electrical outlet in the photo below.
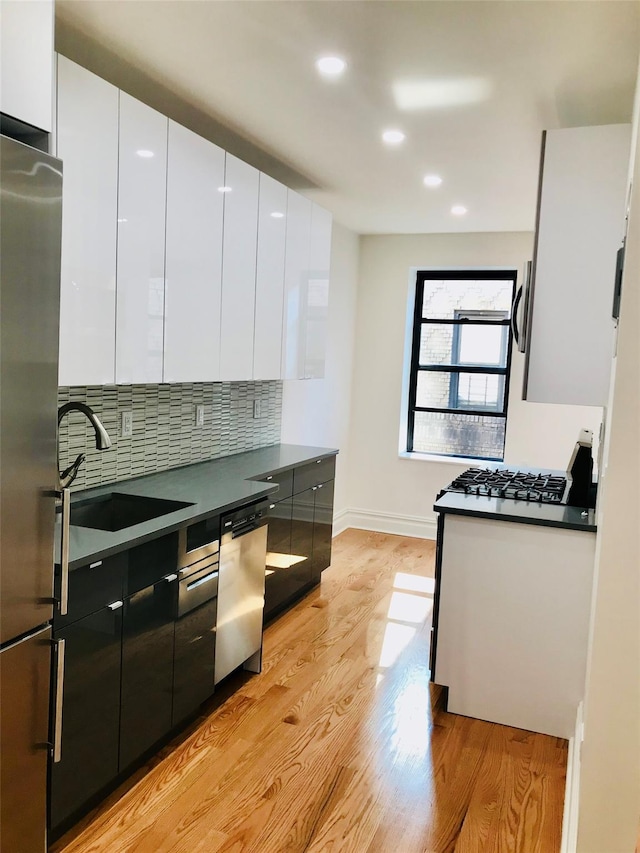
(126, 424)
(199, 416)
(257, 408)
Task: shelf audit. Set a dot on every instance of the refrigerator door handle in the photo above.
(59, 696)
(514, 317)
(65, 502)
(523, 341)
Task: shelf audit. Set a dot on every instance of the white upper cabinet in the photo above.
(238, 270)
(142, 184)
(87, 143)
(180, 263)
(296, 282)
(306, 299)
(317, 307)
(26, 61)
(580, 227)
(195, 172)
(272, 225)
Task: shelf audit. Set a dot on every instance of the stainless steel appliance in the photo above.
(30, 228)
(243, 551)
(546, 487)
(195, 630)
(532, 486)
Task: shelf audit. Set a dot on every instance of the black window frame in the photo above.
(415, 368)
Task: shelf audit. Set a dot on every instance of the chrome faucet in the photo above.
(103, 442)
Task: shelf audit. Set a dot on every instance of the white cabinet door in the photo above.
(26, 61)
(195, 172)
(142, 180)
(87, 143)
(272, 224)
(238, 270)
(513, 622)
(580, 228)
(317, 305)
(296, 283)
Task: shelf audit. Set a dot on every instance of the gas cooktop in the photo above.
(515, 485)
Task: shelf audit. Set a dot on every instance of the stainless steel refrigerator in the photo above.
(30, 227)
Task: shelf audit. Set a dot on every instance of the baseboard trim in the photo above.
(572, 790)
(400, 525)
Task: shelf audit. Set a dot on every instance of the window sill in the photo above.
(448, 460)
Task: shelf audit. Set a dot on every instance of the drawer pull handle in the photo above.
(200, 581)
(270, 477)
(58, 701)
(170, 578)
(115, 605)
(65, 502)
(95, 565)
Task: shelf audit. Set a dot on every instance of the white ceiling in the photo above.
(503, 69)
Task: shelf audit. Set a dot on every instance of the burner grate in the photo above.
(515, 485)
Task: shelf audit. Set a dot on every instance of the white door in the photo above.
(87, 142)
(195, 172)
(272, 224)
(27, 61)
(238, 270)
(317, 304)
(142, 180)
(581, 224)
(296, 283)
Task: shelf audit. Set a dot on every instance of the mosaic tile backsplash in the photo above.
(165, 434)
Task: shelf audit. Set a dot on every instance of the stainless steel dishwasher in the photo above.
(243, 549)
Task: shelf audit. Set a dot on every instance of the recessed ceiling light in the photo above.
(432, 180)
(331, 65)
(144, 152)
(277, 215)
(224, 189)
(393, 137)
(458, 210)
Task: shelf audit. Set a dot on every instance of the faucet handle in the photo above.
(69, 474)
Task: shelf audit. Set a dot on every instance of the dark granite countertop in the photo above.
(215, 486)
(525, 512)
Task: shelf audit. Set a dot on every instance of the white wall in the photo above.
(396, 494)
(316, 411)
(609, 805)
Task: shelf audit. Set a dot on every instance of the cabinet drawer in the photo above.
(318, 471)
(284, 479)
(92, 587)
(151, 562)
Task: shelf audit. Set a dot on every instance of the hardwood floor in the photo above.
(339, 744)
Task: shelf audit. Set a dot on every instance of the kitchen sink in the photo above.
(115, 511)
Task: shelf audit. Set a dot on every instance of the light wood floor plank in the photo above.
(339, 746)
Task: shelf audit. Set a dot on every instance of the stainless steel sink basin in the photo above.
(116, 511)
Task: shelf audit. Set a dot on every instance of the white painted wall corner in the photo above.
(399, 525)
(572, 788)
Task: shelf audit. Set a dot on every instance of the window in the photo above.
(460, 363)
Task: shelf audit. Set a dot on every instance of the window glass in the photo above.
(443, 297)
(459, 435)
(462, 320)
(482, 346)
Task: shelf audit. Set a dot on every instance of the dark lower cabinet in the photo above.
(322, 528)
(299, 546)
(91, 713)
(288, 569)
(195, 648)
(147, 668)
